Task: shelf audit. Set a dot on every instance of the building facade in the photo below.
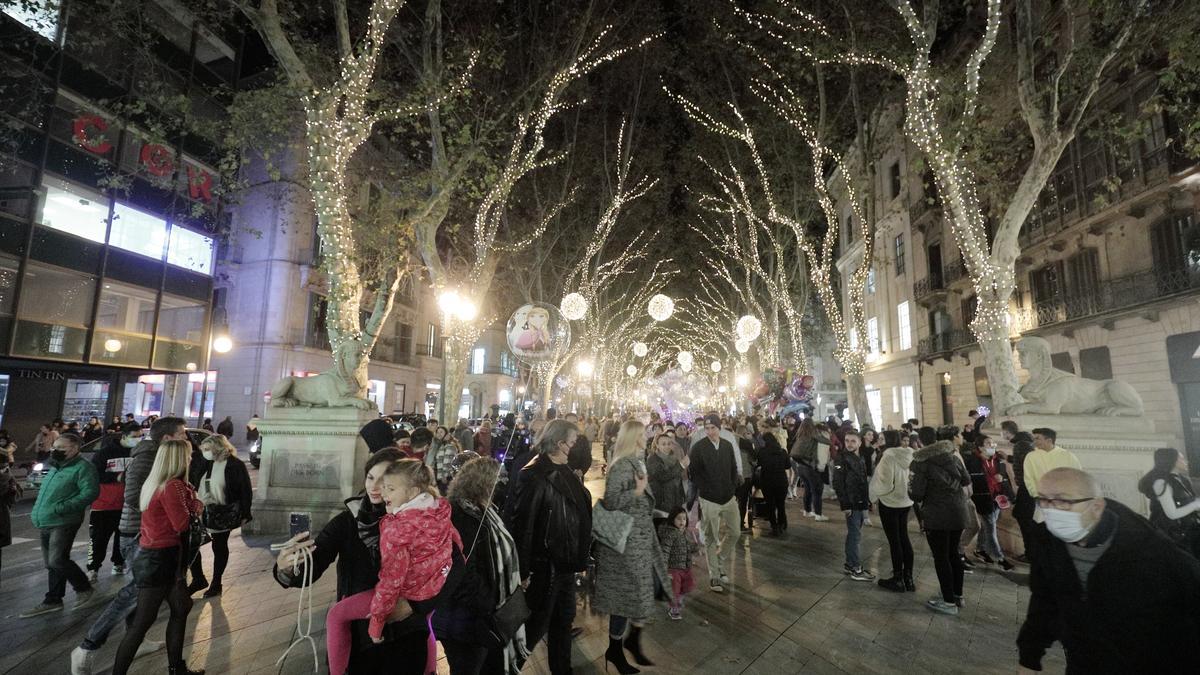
(1109, 274)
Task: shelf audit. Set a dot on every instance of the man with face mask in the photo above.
(65, 494)
(1117, 595)
(110, 462)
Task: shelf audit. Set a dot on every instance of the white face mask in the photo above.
(129, 441)
(1066, 525)
(207, 455)
(989, 451)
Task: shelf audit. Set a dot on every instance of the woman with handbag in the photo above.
(552, 526)
(1174, 508)
(170, 521)
(625, 575)
(226, 492)
(481, 626)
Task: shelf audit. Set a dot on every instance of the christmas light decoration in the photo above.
(742, 346)
(660, 307)
(749, 328)
(631, 370)
(573, 306)
(716, 366)
(684, 358)
(640, 349)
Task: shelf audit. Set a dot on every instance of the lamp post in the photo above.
(453, 306)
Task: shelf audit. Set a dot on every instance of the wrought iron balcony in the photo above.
(927, 289)
(955, 271)
(1110, 295)
(942, 343)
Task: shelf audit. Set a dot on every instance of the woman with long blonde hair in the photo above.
(226, 492)
(168, 504)
(625, 581)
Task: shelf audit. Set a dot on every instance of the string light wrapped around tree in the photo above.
(660, 307)
(631, 370)
(640, 349)
(742, 346)
(716, 366)
(749, 328)
(573, 306)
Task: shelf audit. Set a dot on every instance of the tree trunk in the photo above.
(856, 392)
(455, 355)
(991, 329)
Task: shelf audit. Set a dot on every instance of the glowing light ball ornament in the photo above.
(660, 307)
(686, 367)
(573, 306)
(685, 359)
(749, 328)
(631, 370)
(716, 366)
(742, 346)
(640, 349)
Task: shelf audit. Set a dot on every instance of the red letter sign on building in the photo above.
(157, 159)
(81, 133)
(199, 184)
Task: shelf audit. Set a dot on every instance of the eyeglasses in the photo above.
(1060, 504)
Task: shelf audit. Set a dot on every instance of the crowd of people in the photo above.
(479, 538)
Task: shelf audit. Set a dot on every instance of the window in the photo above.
(904, 325)
(39, 16)
(871, 280)
(54, 312)
(873, 335)
(399, 394)
(853, 339)
(190, 250)
(1083, 280)
(896, 399)
(375, 392)
(894, 174)
(908, 408)
(138, 231)
(124, 325)
(8, 278)
(983, 386)
(1095, 363)
(315, 334)
(1170, 245)
(899, 253)
(73, 209)
(84, 399)
(478, 360)
(969, 308)
(180, 342)
(201, 387)
(404, 342)
(875, 404)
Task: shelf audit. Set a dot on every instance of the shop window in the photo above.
(124, 325)
(202, 390)
(190, 250)
(69, 208)
(54, 312)
(149, 395)
(85, 399)
(138, 231)
(180, 341)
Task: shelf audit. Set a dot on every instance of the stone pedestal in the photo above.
(1118, 451)
(312, 460)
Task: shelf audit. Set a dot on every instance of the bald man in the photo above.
(1117, 595)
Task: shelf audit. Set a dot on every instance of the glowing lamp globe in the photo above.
(573, 306)
(112, 345)
(749, 328)
(660, 307)
(686, 367)
(640, 349)
(631, 370)
(716, 366)
(742, 346)
(685, 359)
(222, 344)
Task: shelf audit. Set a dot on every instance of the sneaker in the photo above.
(893, 584)
(967, 562)
(83, 598)
(118, 570)
(715, 586)
(959, 602)
(82, 661)
(942, 607)
(724, 579)
(862, 575)
(820, 518)
(847, 569)
(983, 556)
(93, 576)
(809, 514)
(867, 522)
(1006, 566)
(674, 614)
(148, 647)
(44, 608)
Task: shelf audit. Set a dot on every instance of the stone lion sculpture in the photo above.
(1051, 391)
(336, 388)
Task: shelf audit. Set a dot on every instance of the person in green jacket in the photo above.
(68, 489)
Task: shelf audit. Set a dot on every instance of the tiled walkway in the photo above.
(790, 610)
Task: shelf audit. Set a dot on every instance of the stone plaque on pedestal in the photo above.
(312, 460)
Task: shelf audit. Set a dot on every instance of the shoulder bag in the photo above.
(220, 517)
(611, 527)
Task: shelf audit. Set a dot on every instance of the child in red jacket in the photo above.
(416, 544)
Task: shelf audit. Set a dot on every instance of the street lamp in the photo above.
(586, 368)
(222, 344)
(742, 379)
(453, 306)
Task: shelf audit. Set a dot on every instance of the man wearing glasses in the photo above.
(65, 494)
(1118, 596)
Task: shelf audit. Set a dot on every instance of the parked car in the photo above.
(39, 469)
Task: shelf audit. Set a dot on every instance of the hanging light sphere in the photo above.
(685, 359)
(573, 306)
(749, 328)
(742, 346)
(660, 307)
(631, 370)
(640, 349)
(716, 366)
(686, 367)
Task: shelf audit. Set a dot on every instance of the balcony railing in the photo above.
(430, 350)
(944, 342)
(954, 271)
(1110, 295)
(931, 285)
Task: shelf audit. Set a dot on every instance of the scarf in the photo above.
(366, 518)
(506, 573)
(212, 488)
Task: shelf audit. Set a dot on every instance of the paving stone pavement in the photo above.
(790, 610)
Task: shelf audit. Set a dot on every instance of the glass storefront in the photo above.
(85, 399)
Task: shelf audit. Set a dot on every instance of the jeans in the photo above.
(854, 523)
(814, 485)
(56, 554)
(102, 526)
(619, 625)
(989, 539)
(743, 494)
(895, 526)
(969, 533)
(121, 605)
(551, 597)
(943, 544)
(718, 549)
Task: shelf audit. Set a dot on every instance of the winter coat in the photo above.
(1139, 612)
(713, 470)
(225, 428)
(889, 483)
(552, 519)
(666, 481)
(1022, 445)
(65, 494)
(141, 459)
(938, 477)
(773, 465)
(579, 458)
(625, 581)
(416, 546)
(678, 546)
(981, 492)
(850, 482)
(169, 514)
(238, 489)
(466, 611)
(110, 464)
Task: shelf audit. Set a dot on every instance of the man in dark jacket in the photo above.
(1023, 508)
(225, 427)
(850, 482)
(714, 472)
(1117, 595)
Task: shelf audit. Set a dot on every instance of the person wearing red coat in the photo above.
(105, 518)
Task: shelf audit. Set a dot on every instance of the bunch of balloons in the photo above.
(782, 391)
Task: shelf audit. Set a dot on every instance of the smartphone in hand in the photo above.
(300, 522)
